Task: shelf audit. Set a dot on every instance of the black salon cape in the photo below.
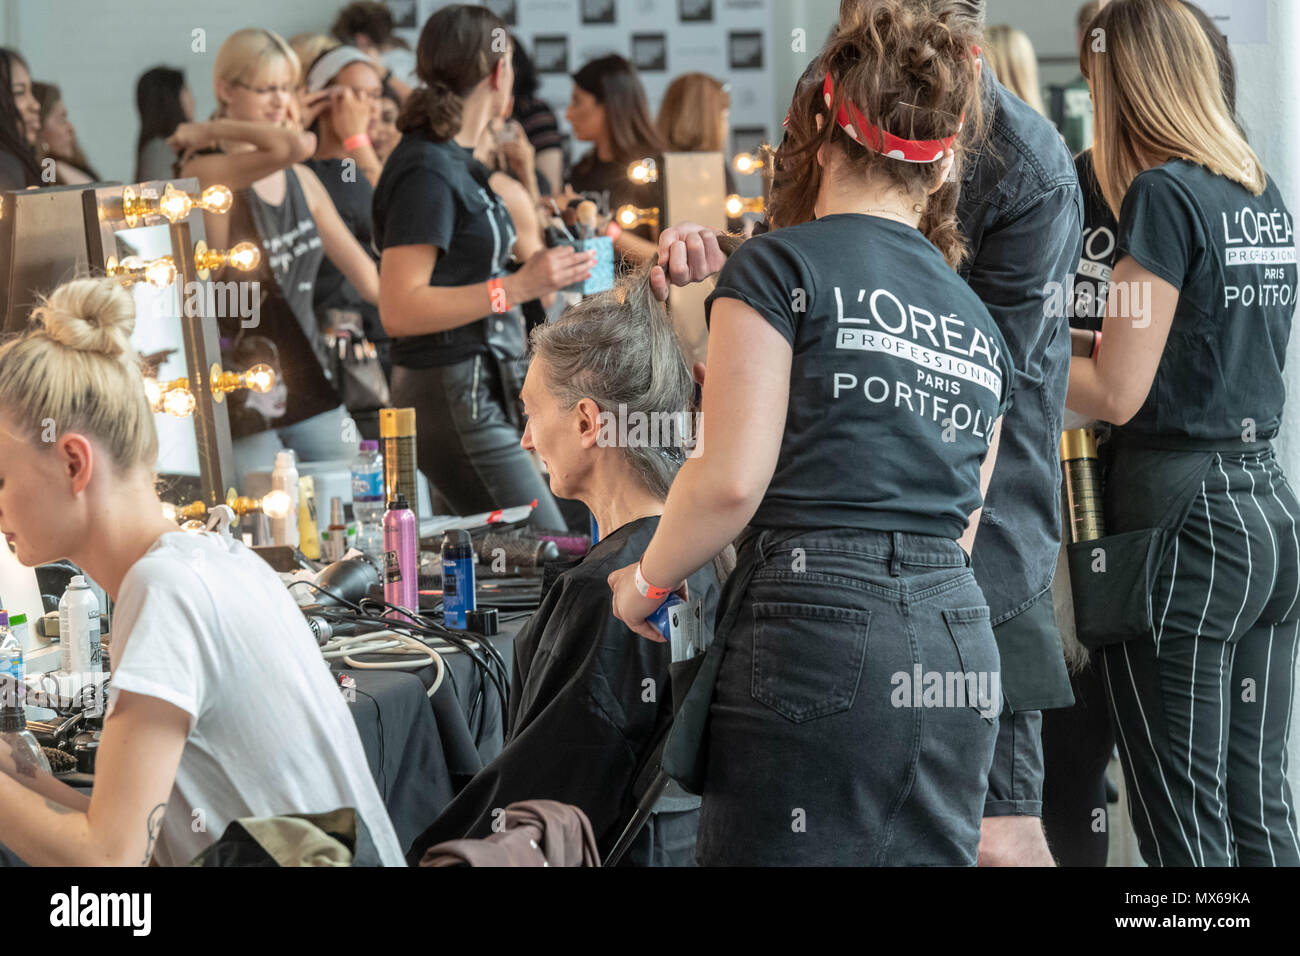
(584, 718)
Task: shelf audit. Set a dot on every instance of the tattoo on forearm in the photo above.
(152, 827)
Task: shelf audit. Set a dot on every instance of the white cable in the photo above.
(385, 642)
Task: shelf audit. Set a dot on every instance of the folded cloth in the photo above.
(536, 833)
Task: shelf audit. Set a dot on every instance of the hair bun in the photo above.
(90, 315)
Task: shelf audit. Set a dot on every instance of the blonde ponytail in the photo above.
(74, 370)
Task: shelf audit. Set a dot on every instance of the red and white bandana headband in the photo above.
(862, 131)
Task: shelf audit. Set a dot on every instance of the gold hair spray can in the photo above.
(397, 441)
(1082, 470)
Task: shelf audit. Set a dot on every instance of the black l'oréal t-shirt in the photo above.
(897, 377)
(1098, 257)
(437, 194)
(1233, 258)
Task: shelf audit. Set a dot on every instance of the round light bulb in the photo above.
(245, 256)
(260, 378)
(217, 199)
(643, 171)
(174, 204)
(735, 206)
(627, 216)
(179, 402)
(276, 503)
(161, 272)
(744, 163)
(169, 511)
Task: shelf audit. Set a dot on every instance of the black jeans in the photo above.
(856, 705)
(468, 447)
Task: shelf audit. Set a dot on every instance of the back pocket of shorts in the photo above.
(980, 682)
(807, 657)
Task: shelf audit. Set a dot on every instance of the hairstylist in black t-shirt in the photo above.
(1190, 373)
(851, 412)
(445, 294)
(609, 110)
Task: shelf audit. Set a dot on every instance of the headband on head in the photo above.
(862, 131)
(331, 63)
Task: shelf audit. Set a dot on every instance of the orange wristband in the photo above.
(497, 296)
(646, 589)
(1096, 345)
(356, 142)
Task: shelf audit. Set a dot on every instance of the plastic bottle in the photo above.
(23, 748)
(11, 662)
(79, 628)
(368, 497)
(457, 578)
(284, 477)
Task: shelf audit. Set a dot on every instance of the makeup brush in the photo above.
(587, 218)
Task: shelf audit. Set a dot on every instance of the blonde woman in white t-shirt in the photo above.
(221, 706)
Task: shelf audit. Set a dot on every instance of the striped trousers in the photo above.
(1202, 708)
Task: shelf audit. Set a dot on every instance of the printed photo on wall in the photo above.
(406, 13)
(745, 50)
(598, 11)
(695, 11)
(650, 52)
(551, 53)
(507, 10)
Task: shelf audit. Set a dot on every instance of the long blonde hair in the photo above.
(1011, 55)
(74, 370)
(1157, 96)
(691, 112)
(244, 52)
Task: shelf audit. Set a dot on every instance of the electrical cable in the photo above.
(387, 642)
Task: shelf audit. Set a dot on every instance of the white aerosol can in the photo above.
(79, 628)
(284, 477)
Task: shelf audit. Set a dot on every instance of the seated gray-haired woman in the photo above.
(606, 396)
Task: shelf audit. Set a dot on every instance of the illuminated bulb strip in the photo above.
(244, 256)
(174, 204)
(643, 171)
(736, 205)
(746, 163)
(629, 217)
(159, 273)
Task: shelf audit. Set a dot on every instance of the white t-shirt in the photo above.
(205, 624)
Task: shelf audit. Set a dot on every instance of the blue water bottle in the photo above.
(457, 578)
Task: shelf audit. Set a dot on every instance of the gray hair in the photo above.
(619, 350)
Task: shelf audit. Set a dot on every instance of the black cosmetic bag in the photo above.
(1112, 579)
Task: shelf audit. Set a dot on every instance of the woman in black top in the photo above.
(1201, 523)
(20, 119)
(446, 296)
(257, 150)
(164, 101)
(852, 408)
(609, 110)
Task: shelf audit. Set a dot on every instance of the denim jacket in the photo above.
(1021, 211)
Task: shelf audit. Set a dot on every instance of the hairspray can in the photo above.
(457, 578)
(1082, 484)
(284, 478)
(400, 557)
(397, 438)
(79, 629)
